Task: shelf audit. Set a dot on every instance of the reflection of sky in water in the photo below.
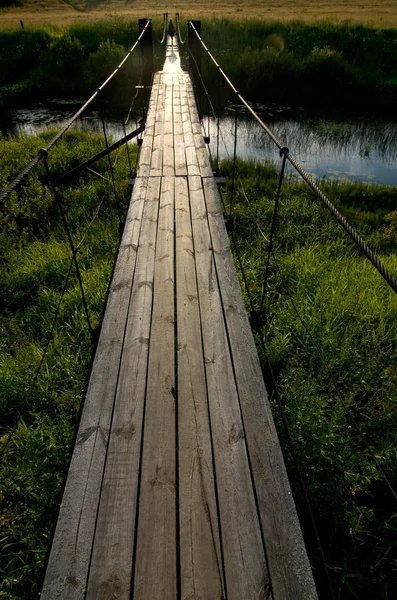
(368, 154)
(37, 120)
(359, 152)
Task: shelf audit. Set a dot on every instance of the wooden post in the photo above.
(146, 52)
(195, 53)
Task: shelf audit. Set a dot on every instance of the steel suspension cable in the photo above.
(234, 160)
(42, 153)
(165, 18)
(362, 245)
(178, 28)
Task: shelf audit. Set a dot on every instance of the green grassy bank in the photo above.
(34, 263)
(331, 336)
(40, 64)
(322, 66)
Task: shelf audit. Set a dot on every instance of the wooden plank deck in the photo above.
(177, 487)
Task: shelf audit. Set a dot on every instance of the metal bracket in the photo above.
(206, 139)
(220, 180)
(111, 148)
(131, 181)
(256, 318)
(229, 223)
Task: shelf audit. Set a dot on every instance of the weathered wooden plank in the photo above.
(179, 144)
(68, 564)
(244, 556)
(168, 149)
(156, 165)
(155, 561)
(200, 553)
(111, 564)
(190, 149)
(148, 136)
(201, 149)
(287, 559)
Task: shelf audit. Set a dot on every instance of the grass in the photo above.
(322, 66)
(56, 12)
(50, 63)
(331, 338)
(34, 263)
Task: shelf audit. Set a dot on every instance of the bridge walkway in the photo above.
(177, 486)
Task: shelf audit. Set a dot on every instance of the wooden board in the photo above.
(200, 547)
(179, 144)
(68, 564)
(145, 157)
(111, 564)
(155, 560)
(156, 165)
(201, 149)
(168, 148)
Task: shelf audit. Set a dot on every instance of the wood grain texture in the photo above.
(68, 564)
(244, 557)
(155, 561)
(288, 563)
(201, 149)
(168, 141)
(145, 157)
(201, 560)
(156, 164)
(179, 144)
(111, 564)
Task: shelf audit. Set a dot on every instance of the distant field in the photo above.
(64, 12)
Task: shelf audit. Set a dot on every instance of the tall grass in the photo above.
(34, 263)
(323, 65)
(331, 335)
(64, 63)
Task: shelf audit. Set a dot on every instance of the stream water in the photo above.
(336, 149)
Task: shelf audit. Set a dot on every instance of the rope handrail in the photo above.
(178, 28)
(165, 19)
(44, 151)
(363, 246)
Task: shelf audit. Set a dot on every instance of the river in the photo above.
(326, 148)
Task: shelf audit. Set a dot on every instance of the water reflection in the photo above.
(21, 121)
(355, 151)
(358, 151)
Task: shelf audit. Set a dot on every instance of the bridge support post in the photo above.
(195, 53)
(146, 52)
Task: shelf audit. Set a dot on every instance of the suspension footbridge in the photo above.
(177, 486)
